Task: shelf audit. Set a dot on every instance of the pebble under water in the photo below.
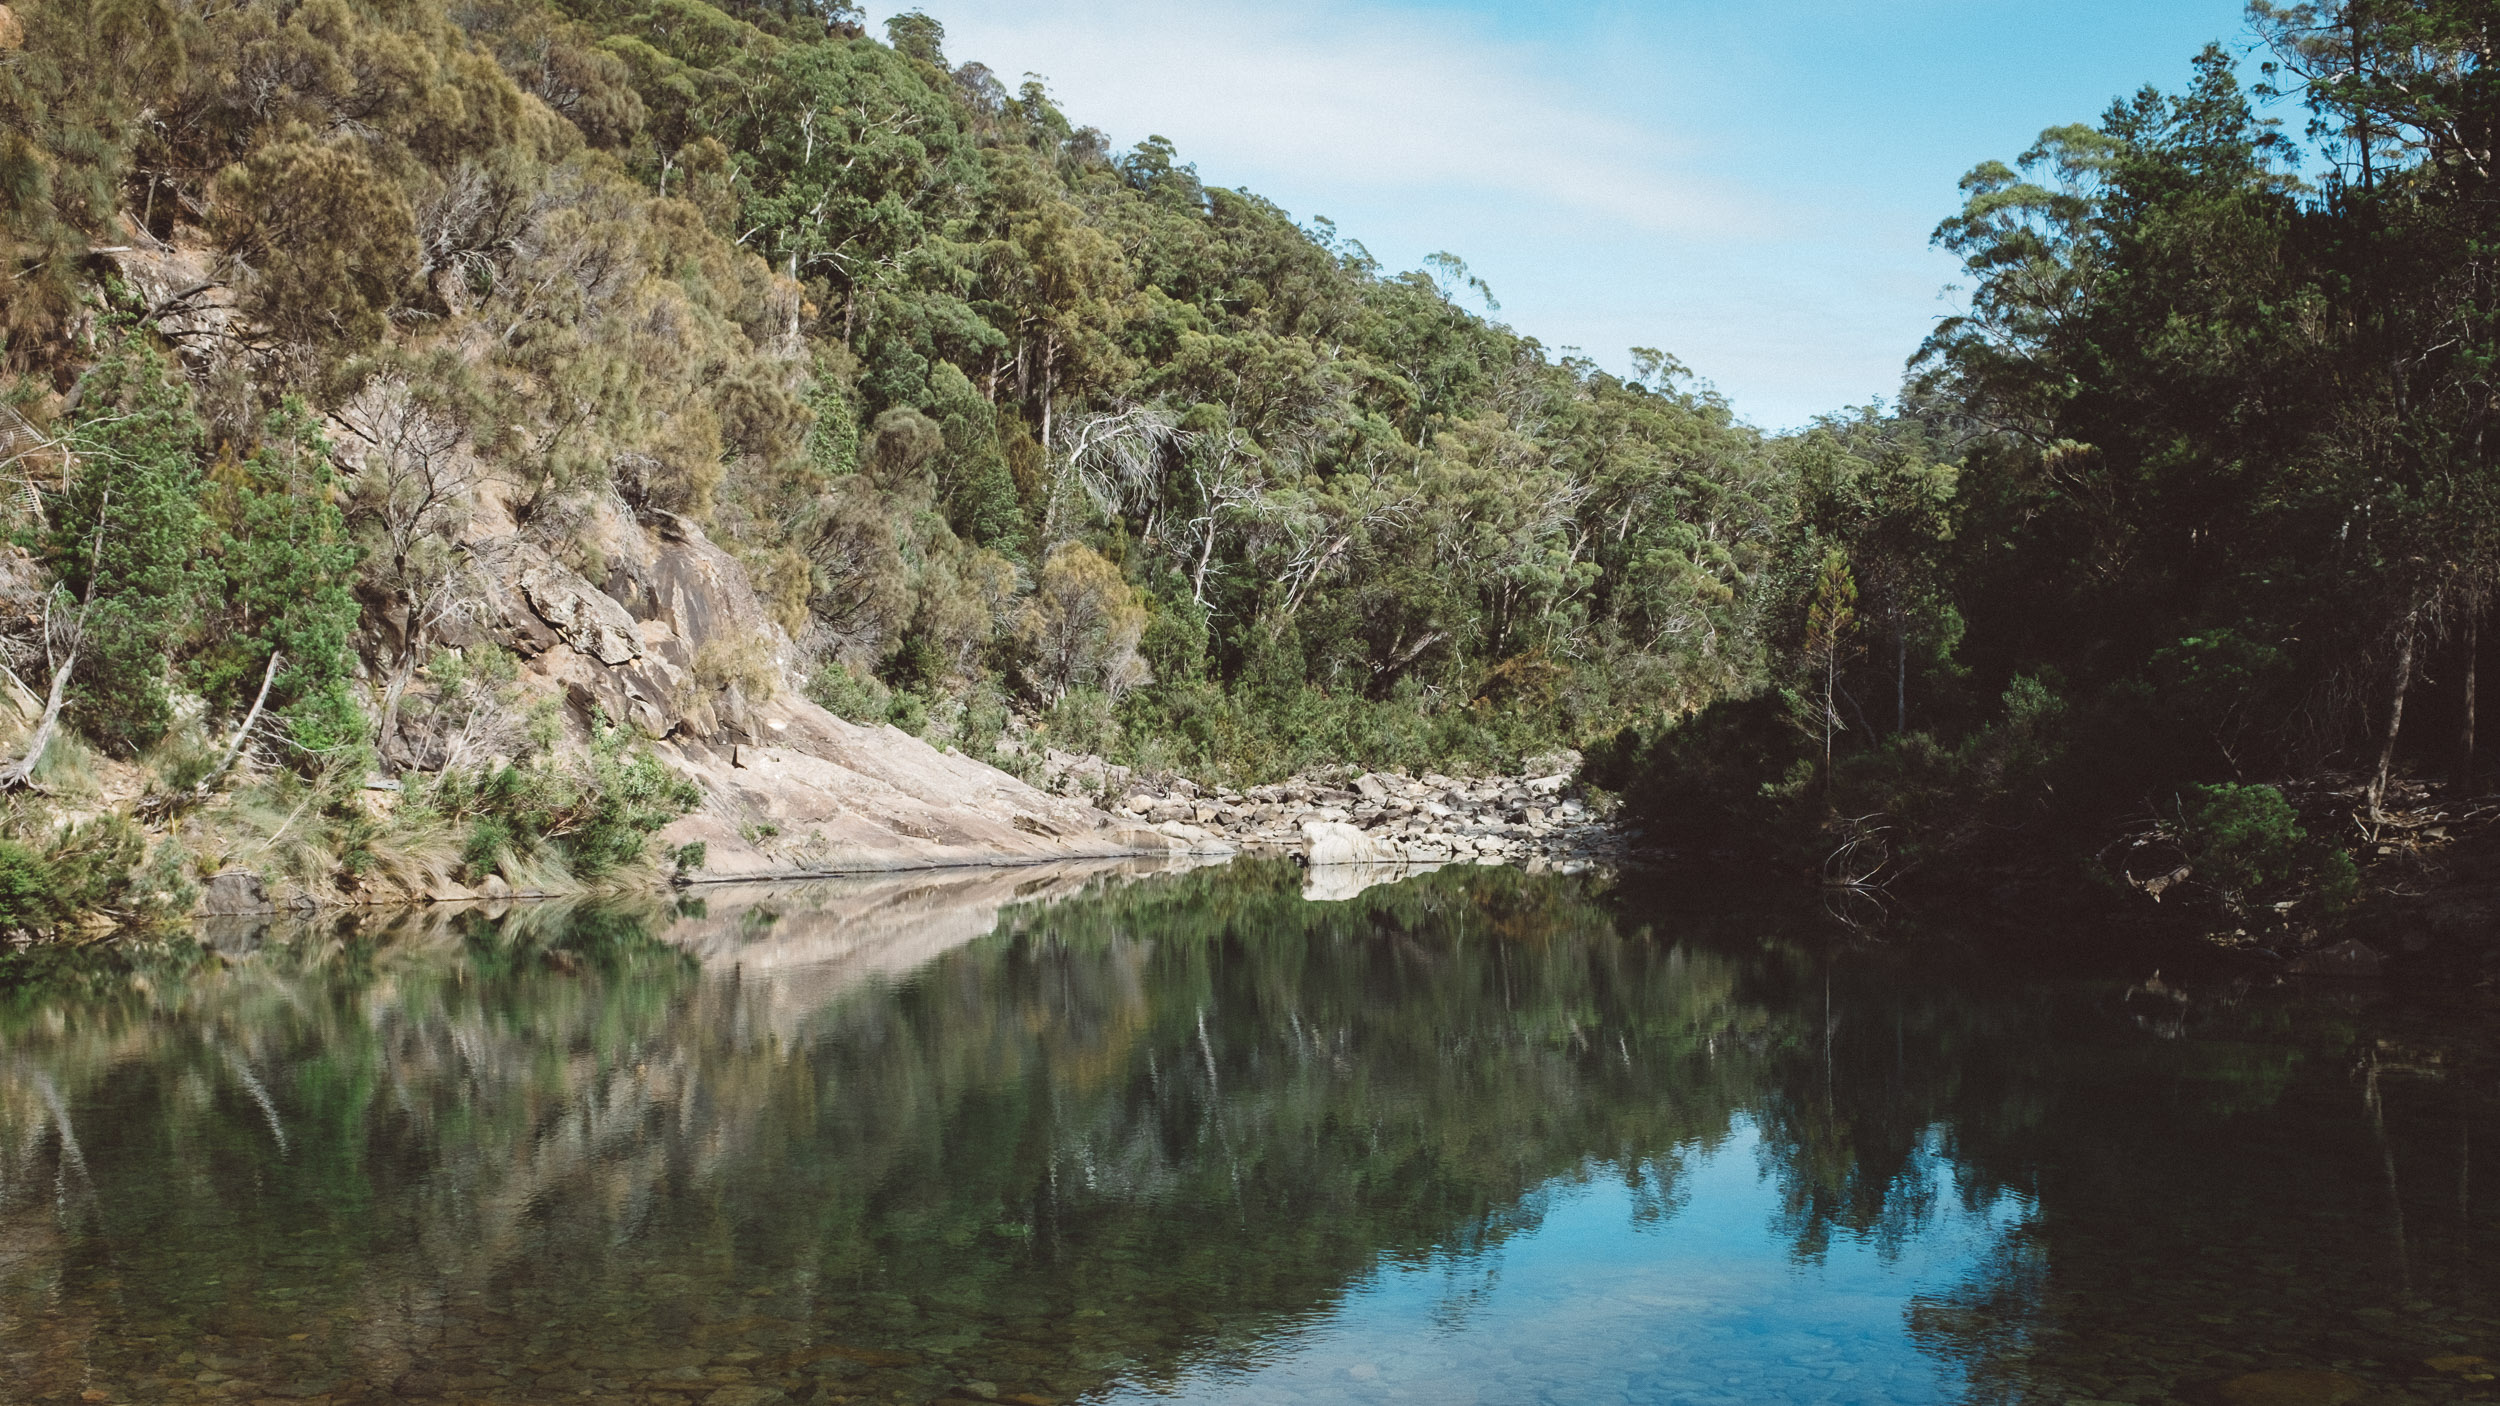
(1079, 1135)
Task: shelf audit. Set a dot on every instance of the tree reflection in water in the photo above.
(1040, 1134)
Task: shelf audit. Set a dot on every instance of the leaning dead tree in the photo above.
(21, 445)
(1114, 461)
(64, 634)
(160, 805)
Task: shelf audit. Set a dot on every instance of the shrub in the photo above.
(745, 660)
(909, 710)
(598, 811)
(1082, 626)
(1082, 721)
(850, 695)
(80, 871)
(2240, 837)
(126, 531)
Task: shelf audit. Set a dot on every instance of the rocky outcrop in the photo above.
(1333, 817)
(672, 641)
(823, 796)
(582, 615)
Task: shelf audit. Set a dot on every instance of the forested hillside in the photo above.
(990, 411)
(1010, 430)
(998, 420)
(2205, 584)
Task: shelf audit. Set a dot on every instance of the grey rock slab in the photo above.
(582, 615)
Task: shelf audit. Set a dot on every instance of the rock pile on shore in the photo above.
(1337, 815)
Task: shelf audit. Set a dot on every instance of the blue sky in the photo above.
(1749, 186)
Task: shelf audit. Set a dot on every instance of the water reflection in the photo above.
(1037, 1136)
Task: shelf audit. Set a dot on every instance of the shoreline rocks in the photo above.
(1339, 816)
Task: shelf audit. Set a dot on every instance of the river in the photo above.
(1085, 1135)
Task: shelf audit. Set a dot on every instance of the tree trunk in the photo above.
(235, 748)
(2395, 713)
(22, 771)
(1901, 679)
(1206, 554)
(387, 735)
(1050, 380)
(2465, 730)
(1831, 714)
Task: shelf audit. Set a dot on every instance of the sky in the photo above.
(1748, 185)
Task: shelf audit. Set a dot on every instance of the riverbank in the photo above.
(1539, 815)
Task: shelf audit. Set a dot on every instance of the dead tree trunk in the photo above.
(22, 771)
(2395, 712)
(235, 748)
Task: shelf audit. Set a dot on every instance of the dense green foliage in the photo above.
(2192, 495)
(988, 410)
(596, 811)
(2194, 498)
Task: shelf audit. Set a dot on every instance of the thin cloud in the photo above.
(1350, 100)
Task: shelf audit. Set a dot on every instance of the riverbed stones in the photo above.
(1536, 818)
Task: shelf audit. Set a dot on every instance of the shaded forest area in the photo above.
(2174, 550)
(2197, 607)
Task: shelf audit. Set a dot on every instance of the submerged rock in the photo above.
(2349, 957)
(2292, 1386)
(1335, 883)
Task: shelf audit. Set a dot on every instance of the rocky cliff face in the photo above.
(672, 641)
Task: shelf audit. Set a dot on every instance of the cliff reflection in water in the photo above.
(1035, 1135)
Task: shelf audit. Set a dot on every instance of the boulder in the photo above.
(12, 33)
(582, 615)
(234, 892)
(1327, 842)
(1564, 763)
(1194, 839)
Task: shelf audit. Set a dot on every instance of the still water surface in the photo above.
(1476, 1136)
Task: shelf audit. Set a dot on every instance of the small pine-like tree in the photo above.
(283, 569)
(125, 537)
